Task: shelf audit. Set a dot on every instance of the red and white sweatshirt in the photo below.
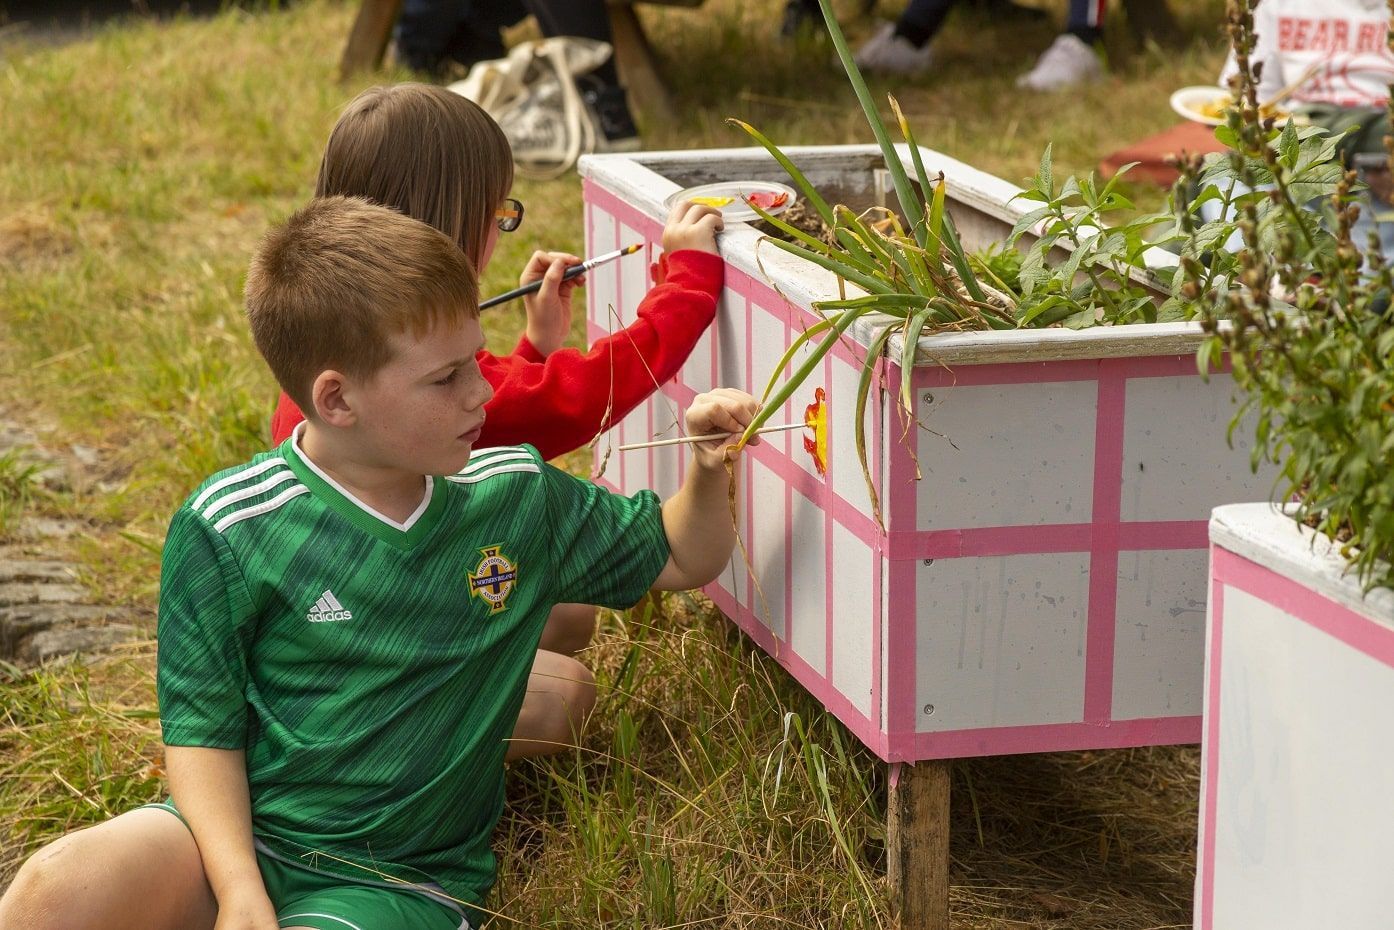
(559, 403)
(1344, 40)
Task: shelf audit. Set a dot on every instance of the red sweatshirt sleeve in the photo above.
(527, 351)
(286, 418)
(558, 404)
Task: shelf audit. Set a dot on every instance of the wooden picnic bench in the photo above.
(633, 54)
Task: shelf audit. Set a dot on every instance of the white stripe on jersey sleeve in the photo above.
(499, 470)
(490, 457)
(260, 487)
(243, 475)
(238, 516)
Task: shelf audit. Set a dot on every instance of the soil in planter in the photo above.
(803, 218)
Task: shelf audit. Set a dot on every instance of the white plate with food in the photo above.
(1208, 104)
(1203, 103)
(733, 198)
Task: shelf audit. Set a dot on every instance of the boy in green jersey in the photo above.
(347, 622)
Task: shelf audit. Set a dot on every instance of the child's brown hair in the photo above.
(421, 149)
(328, 287)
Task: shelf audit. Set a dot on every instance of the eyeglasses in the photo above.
(510, 215)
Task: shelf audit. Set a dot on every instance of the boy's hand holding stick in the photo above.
(715, 420)
(683, 440)
(697, 520)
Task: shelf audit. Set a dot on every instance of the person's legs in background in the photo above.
(601, 88)
(1086, 20)
(902, 47)
(432, 33)
(1071, 58)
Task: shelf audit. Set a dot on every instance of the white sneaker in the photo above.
(889, 53)
(1066, 63)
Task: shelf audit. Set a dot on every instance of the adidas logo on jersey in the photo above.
(328, 609)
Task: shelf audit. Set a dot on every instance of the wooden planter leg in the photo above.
(368, 40)
(917, 845)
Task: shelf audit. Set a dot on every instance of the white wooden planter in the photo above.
(1043, 587)
(1296, 824)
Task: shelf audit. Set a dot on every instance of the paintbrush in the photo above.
(685, 439)
(573, 271)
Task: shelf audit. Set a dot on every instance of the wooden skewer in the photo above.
(1291, 88)
(686, 439)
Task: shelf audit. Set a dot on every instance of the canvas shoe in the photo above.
(1068, 61)
(888, 53)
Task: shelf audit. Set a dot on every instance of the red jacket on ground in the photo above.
(558, 403)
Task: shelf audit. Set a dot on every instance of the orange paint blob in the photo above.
(815, 417)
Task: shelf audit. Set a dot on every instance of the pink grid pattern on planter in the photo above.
(864, 618)
(1359, 638)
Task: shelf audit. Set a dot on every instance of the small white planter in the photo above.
(1043, 587)
(1296, 819)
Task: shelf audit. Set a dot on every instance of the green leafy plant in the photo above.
(1309, 332)
(914, 279)
(1105, 279)
(917, 278)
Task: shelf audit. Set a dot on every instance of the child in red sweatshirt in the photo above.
(438, 158)
(455, 174)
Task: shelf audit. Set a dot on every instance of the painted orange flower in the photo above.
(815, 417)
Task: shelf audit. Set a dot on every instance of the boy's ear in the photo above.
(332, 397)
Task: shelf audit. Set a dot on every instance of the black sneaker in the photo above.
(609, 111)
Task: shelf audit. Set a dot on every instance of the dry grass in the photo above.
(137, 170)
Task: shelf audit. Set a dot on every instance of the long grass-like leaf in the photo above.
(809, 191)
(858, 250)
(913, 328)
(903, 261)
(883, 303)
(936, 217)
(865, 238)
(913, 212)
(801, 374)
(899, 253)
(916, 159)
(868, 373)
(960, 258)
(809, 241)
(941, 228)
(929, 282)
(837, 266)
(789, 353)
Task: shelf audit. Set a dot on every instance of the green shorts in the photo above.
(306, 898)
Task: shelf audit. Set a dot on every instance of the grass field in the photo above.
(138, 168)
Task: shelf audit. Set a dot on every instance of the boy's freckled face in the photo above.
(423, 411)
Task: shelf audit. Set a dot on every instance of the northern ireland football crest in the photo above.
(493, 578)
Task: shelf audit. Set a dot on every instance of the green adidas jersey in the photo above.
(373, 671)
